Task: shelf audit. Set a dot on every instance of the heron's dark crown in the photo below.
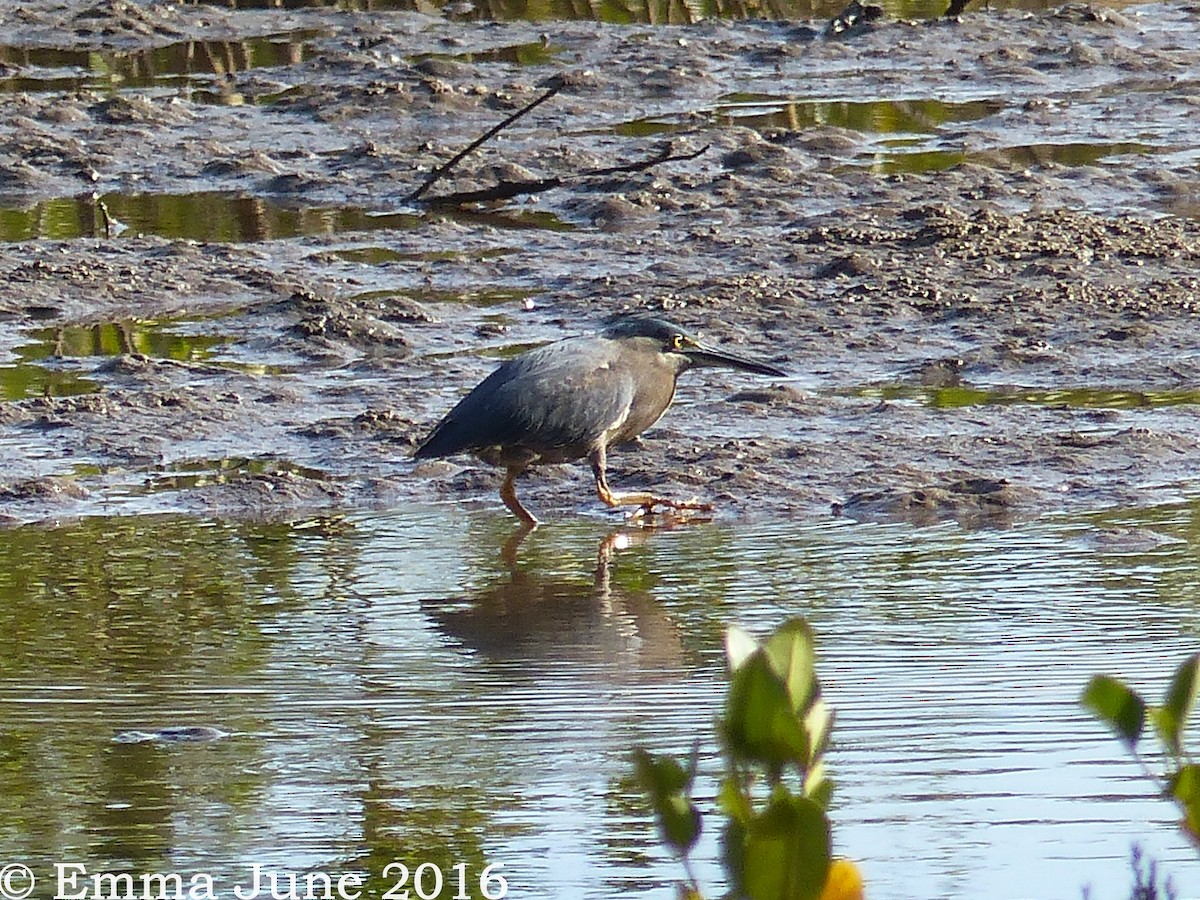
(640, 325)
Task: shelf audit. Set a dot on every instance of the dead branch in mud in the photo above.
(506, 190)
(440, 172)
(667, 154)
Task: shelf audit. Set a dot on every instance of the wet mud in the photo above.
(974, 242)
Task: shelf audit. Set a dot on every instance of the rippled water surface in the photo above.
(391, 688)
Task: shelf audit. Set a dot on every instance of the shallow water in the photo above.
(385, 687)
(185, 64)
(622, 11)
(221, 216)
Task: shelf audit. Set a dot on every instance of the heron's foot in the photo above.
(674, 512)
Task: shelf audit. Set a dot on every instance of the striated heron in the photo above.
(575, 398)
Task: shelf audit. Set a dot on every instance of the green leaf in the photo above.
(668, 785)
(819, 722)
(817, 786)
(733, 851)
(1170, 718)
(1117, 706)
(792, 653)
(739, 646)
(659, 775)
(785, 851)
(819, 789)
(1184, 787)
(680, 822)
(760, 725)
(733, 801)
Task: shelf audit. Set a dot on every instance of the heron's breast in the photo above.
(651, 398)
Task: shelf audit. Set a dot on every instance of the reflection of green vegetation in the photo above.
(515, 219)
(22, 381)
(919, 116)
(665, 12)
(203, 216)
(916, 162)
(1031, 155)
(1140, 539)
(535, 53)
(147, 68)
(907, 123)
(1074, 398)
(199, 473)
(377, 256)
(149, 338)
(216, 216)
(762, 111)
(427, 824)
(1076, 154)
(478, 297)
(34, 375)
(115, 623)
(155, 339)
(113, 577)
(646, 128)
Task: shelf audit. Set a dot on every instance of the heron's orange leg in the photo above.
(646, 501)
(508, 493)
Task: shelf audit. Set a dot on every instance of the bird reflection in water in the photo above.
(613, 630)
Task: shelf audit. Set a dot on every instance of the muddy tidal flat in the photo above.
(244, 270)
(973, 241)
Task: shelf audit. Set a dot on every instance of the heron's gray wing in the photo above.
(563, 395)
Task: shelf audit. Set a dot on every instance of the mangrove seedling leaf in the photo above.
(659, 775)
(680, 822)
(786, 850)
(668, 786)
(1184, 788)
(817, 786)
(819, 722)
(739, 646)
(760, 725)
(1170, 718)
(792, 653)
(1117, 706)
(733, 851)
(733, 800)
(819, 790)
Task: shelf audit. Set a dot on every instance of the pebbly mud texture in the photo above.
(973, 241)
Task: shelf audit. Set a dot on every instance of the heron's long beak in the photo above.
(709, 356)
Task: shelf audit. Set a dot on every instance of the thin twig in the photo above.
(506, 190)
(440, 172)
(665, 155)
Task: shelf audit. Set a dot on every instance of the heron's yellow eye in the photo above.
(677, 342)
